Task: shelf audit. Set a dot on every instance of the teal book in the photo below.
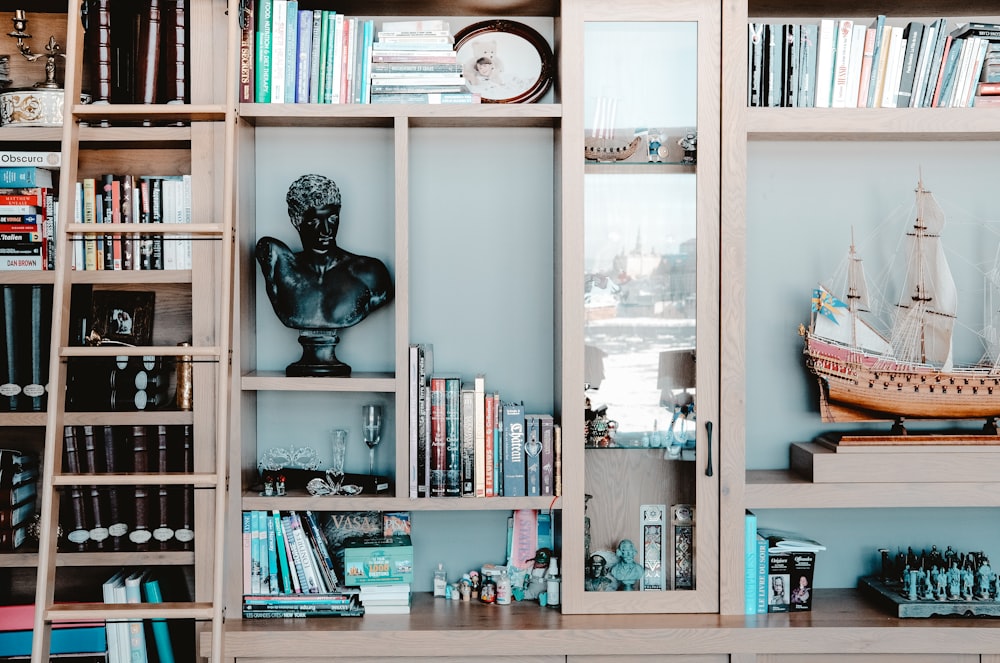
(262, 72)
(161, 632)
(280, 552)
(751, 569)
(272, 555)
(25, 176)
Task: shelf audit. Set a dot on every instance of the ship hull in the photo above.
(873, 384)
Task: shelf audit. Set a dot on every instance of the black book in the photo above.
(913, 33)
(116, 519)
(95, 497)
(74, 519)
(148, 53)
(40, 318)
(97, 46)
(163, 533)
(140, 533)
(11, 386)
(184, 533)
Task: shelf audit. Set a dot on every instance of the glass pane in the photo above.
(640, 292)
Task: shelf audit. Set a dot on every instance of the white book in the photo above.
(279, 26)
(419, 25)
(412, 412)
(136, 632)
(826, 43)
(841, 63)
(854, 66)
(116, 654)
(893, 67)
(338, 57)
(961, 71)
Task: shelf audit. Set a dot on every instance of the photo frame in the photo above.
(121, 317)
(505, 62)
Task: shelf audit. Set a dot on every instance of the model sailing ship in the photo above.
(908, 371)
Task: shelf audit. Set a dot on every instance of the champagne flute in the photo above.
(335, 475)
(372, 431)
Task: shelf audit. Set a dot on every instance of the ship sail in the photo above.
(925, 316)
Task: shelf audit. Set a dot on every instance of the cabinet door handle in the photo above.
(708, 466)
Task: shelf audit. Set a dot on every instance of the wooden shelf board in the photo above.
(840, 622)
(22, 419)
(783, 489)
(138, 350)
(358, 382)
(29, 558)
(30, 277)
(118, 134)
(146, 417)
(418, 115)
(135, 276)
(300, 501)
(154, 112)
(198, 480)
(150, 229)
(883, 124)
(31, 134)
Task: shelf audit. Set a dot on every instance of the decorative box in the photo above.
(378, 560)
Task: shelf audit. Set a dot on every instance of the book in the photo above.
(532, 455)
(116, 630)
(913, 34)
(315, 54)
(453, 436)
(291, 49)
(761, 545)
(947, 76)
(70, 640)
(437, 442)
(262, 51)
(161, 631)
(413, 408)
(790, 578)
(281, 554)
(136, 632)
(920, 78)
(148, 49)
(755, 63)
(826, 43)
(893, 66)
(772, 93)
(26, 176)
(938, 56)
(173, 73)
(514, 462)
(426, 98)
(37, 158)
(784, 541)
(303, 73)
(839, 93)
(273, 571)
(467, 443)
(989, 31)
(248, 43)
(489, 426)
(751, 569)
(322, 549)
(301, 614)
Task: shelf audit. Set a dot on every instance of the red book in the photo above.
(438, 439)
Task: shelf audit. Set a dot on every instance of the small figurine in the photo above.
(656, 151)
(689, 143)
(598, 579)
(627, 571)
(535, 581)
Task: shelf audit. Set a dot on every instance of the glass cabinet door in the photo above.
(649, 317)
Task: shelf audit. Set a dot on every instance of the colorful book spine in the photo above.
(761, 558)
(272, 555)
(489, 424)
(532, 455)
(750, 564)
(161, 633)
(479, 435)
(437, 450)
(262, 72)
(315, 51)
(303, 56)
(547, 428)
(279, 27)
(281, 553)
(26, 176)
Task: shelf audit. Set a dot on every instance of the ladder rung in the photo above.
(145, 228)
(99, 611)
(203, 479)
(139, 351)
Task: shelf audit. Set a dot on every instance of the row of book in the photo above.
(79, 642)
(779, 569)
(844, 63)
(290, 54)
(24, 346)
(19, 488)
(136, 640)
(127, 517)
(289, 570)
(136, 52)
(28, 212)
(150, 199)
(467, 442)
(122, 383)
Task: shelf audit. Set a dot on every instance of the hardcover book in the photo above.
(437, 441)
(532, 455)
(453, 436)
(790, 578)
(514, 462)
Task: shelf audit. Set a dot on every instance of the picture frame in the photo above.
(506, 62)
(121, 317)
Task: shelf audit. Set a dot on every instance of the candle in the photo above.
(19, 15)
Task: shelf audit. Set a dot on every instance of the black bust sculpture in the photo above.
(322, 288)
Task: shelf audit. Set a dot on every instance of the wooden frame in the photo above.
(505, 61)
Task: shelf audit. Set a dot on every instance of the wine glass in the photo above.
(338, 444)
(372, 431)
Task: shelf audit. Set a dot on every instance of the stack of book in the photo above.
(387, 599)
(81, 641)
(414, 62)
(18, 488)
(27, 218)
(288, 569)
(779, 569)
(24, 358)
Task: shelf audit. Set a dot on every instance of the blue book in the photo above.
(762, 561)
(291, 49)
(514, 465)
(74, 640)
(751, 568)
(25, 176)
(281, 553)
(161, 633)
(303, 72)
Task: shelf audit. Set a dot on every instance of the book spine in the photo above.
(867, 59)
(913, 33)
(161, 633)
(825, 51)
(453, 437)
(513, 450)
(532, 455)
(438, 445)
(136, 633)
(295, 555)
(281, 552)
(173, 87)
(498, 446)
(248, 12)
(315, 51)
(750, 566)
(548, 454)
(279, 27)
(313, 584)
(423, 387)
(247, 531)
(272, 556)
(303, 74)
(262, 43)
(291, 50)
(320, 543)
(149, 53)
(479, 435)
(871, 95)
(467, 441)
(841, 63)
(412, 408)
(489, 424)
(25, 176)
(761, 558)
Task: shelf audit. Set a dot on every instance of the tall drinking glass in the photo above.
(372, 431)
